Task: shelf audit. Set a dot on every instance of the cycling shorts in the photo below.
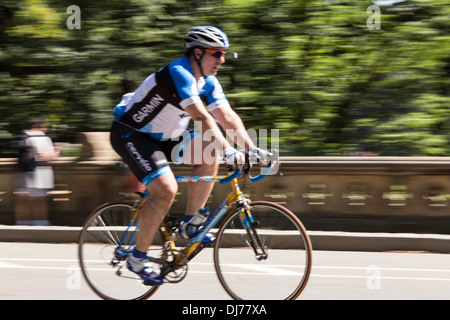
(146, 157)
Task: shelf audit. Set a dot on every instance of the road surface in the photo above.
(50, 271)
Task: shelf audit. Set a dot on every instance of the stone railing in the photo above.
(365, 193)
(385, 194)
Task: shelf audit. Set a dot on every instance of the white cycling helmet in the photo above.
(205, 37)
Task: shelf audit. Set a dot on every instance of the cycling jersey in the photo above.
(156, 107)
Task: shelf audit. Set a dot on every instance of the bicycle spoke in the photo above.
(107, 233)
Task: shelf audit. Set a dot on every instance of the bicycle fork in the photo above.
(250, 226)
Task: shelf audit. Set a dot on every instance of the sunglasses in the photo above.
(219, 53)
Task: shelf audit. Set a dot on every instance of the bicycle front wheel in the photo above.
(105, 240)
(264, 254)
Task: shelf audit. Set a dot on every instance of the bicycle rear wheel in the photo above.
(103, 246)
(281, 267)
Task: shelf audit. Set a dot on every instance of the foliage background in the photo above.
(310, 68)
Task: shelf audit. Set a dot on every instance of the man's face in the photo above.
(210, 63)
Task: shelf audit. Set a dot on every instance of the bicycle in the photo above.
(261, 251)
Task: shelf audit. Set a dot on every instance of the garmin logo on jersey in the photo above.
(146, 110)
(144, 163)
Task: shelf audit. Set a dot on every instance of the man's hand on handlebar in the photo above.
(268, 161)
(234, 157)
(260, 156)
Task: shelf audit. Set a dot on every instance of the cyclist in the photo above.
(150, 122)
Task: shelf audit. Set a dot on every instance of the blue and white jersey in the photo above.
(156, 107)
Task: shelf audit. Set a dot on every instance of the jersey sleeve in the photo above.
(215, 97)
(186, 85)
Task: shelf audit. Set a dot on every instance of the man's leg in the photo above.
(162, 193)
(205, 164)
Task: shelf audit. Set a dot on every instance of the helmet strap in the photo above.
(199, 64)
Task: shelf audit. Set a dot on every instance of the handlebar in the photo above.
(231, 177)
(261, 176)
(232, 174)
(248, 165)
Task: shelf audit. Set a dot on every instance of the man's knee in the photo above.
(164, 188)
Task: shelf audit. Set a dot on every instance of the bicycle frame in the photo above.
(191, 249)
(235, 195)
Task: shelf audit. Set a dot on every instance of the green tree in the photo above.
(311, 69)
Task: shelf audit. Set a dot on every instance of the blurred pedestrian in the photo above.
(35, 179)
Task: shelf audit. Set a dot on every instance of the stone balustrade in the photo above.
(385, 194)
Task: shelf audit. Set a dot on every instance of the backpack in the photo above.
(25, 153)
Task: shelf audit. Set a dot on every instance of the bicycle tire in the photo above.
(285, 272)
(97, 243)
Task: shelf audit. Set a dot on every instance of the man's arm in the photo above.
(198, 113)
(230, 121)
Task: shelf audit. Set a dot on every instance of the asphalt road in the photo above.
(50, 271)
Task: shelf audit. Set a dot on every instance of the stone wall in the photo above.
(377, 194)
